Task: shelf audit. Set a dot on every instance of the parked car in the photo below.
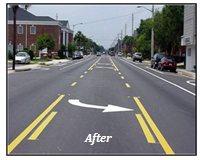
(76, 55)
(81, 54)
(137, 56)
(167, 63)
(22, 57)
(156, 59)
(119, 54)
(98, 54)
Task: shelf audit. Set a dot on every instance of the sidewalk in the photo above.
(36, 66)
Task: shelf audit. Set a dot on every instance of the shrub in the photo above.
(57, 57)
(31, 53)
(10, 55)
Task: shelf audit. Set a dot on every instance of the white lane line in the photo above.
(154, 70)
(130, 60)
(74, 64)
(163, 79)
(191, 82)
(105, 67)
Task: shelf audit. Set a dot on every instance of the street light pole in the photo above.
(152, 31)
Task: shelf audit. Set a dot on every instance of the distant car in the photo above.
(112, 53)
(156, 59)
(98, 54)
(76, 55)
(167, 63)
(22, 57)
(119, 54)
(137, 56)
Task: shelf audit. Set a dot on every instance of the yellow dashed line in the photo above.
(81, 76)
(127, 85)
(122, 77)
(73, 84)
(119, 72)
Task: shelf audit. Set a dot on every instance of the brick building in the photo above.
(29, 27)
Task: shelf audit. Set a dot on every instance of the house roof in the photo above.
(24, 15)
(64, 23)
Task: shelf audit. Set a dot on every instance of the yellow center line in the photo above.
(122, 77)
(85, 72)
(91, 67)
(17, 140)
(113, 64)
(127, 85)
(42, 126)
(145, 129)
(81, 76)
(161, 139)
(73, 84)
(119, 72)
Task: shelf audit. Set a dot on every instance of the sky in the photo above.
(112, 19)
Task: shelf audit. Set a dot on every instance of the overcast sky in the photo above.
(103, 32)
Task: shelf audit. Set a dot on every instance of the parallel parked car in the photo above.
(22, 57)
(156, 59)
(167, 63)
(119, 54)
(98, 54)
(137, 56)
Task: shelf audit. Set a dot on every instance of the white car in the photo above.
(22, 57)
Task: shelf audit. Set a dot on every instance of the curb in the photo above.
(186, 74)
(21, 70)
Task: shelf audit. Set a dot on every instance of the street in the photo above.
(139, 111)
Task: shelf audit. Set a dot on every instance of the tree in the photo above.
(45, 41)
(71, 48)
(168, 27)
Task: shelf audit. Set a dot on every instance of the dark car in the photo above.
(156, 59)
(167, 63)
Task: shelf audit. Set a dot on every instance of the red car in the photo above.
(167, 63)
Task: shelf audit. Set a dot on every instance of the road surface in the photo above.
(120, 106)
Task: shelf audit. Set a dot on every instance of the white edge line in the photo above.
(162, 79)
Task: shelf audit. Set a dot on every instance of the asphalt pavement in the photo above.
(119, 106)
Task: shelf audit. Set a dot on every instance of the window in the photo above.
(20, 30)
(32, 47)
(189, 52)
(20, 47)
(33, 30)
(10, 48)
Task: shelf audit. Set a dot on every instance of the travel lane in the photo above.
(68, 130)
(172, 109)
(30, 93)
(172, 77)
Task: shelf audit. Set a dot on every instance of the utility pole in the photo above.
(152, 33)
(125, 30)
(121, 41)
(132, 24)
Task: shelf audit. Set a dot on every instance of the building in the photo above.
(29, 27)
(189, 37)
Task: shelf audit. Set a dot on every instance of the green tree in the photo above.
(71, 48)
(45, 41)
(168, 27)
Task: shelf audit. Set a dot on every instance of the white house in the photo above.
(189, 35)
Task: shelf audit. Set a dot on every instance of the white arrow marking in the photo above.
(109, 108)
